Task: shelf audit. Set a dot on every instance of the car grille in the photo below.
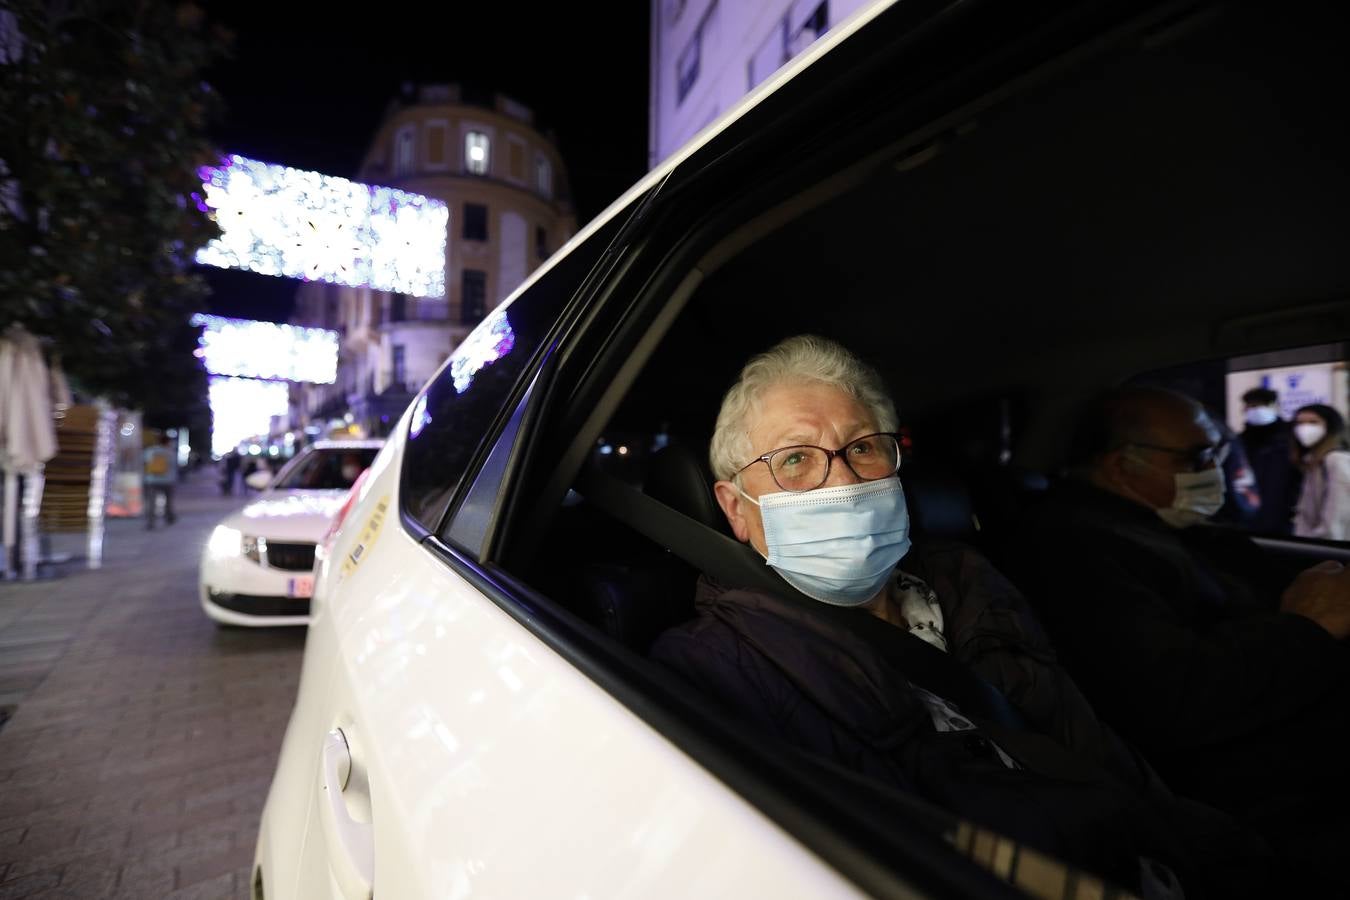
(254, 605)
(291, 557)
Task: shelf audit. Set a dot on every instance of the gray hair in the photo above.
(805, 358)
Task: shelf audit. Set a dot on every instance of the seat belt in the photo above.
(711, 552)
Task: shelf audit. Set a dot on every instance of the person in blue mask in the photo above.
(913, 662)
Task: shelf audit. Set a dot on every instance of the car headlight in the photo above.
(225, 542)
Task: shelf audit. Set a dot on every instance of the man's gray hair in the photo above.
(802, 359)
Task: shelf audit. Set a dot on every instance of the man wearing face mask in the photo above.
(1231, 677)
(899, 672)
(1267, 438)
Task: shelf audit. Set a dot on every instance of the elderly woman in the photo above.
(807, 463)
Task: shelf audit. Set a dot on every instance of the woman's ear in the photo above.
(730, 499)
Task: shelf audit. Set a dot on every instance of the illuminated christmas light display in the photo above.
(489, 342)
(242, 347)
(292, 223)
(242, 408)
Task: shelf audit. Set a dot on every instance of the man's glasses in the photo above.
(805, 467)
(1194, 458)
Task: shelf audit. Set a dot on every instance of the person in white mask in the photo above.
(1321, 451)
(1267, 439)
(899, 655)
(1191, 640)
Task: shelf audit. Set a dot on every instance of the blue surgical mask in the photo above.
(837, 545)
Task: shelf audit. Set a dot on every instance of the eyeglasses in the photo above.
(805, 467)
(1195, 458)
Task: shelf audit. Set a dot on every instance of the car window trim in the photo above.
(477, 522)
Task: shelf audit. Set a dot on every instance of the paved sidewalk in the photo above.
(143, 737)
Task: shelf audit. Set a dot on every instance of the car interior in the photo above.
(1173, 194)
(1166, 202)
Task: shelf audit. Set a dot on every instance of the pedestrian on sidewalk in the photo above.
(159, 479)
(230, 465)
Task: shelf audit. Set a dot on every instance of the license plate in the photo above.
(302, 586)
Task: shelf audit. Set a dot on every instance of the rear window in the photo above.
(328, 469)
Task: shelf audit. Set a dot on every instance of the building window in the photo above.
(687, 64)
(770, 55)
(436, 137)
(475, 222)
(802, 32)
(405, 150)
(541, 242)
(515, 161)
(476, 152)
(473, 297)
(543, 175)
(790, 35)
(400, 373)
(398, 307)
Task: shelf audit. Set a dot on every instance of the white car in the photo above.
(258, 567)
(1004, 207)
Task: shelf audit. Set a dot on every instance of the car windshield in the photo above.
(328, 469)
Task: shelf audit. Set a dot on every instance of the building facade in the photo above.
(707, 54)
(510, 207)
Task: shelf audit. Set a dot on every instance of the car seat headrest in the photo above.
(939, 504)
(679, 478)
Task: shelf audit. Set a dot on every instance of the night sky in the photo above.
(307, 86)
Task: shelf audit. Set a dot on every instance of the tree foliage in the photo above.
(103, 125)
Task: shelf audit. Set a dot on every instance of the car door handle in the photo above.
(350, 844)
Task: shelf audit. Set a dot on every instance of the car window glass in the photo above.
(1281, 477)
(328, 469)
(458, 409)
(468, 528)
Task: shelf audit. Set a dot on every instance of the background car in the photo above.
(257, 567)
(1004, 207)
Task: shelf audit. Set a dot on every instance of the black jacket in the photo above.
(1277, 478)
(840, 684)
(1176, 637)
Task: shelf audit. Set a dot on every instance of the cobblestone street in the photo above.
(141, 737)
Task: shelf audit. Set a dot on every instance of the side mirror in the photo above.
(258, 480)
